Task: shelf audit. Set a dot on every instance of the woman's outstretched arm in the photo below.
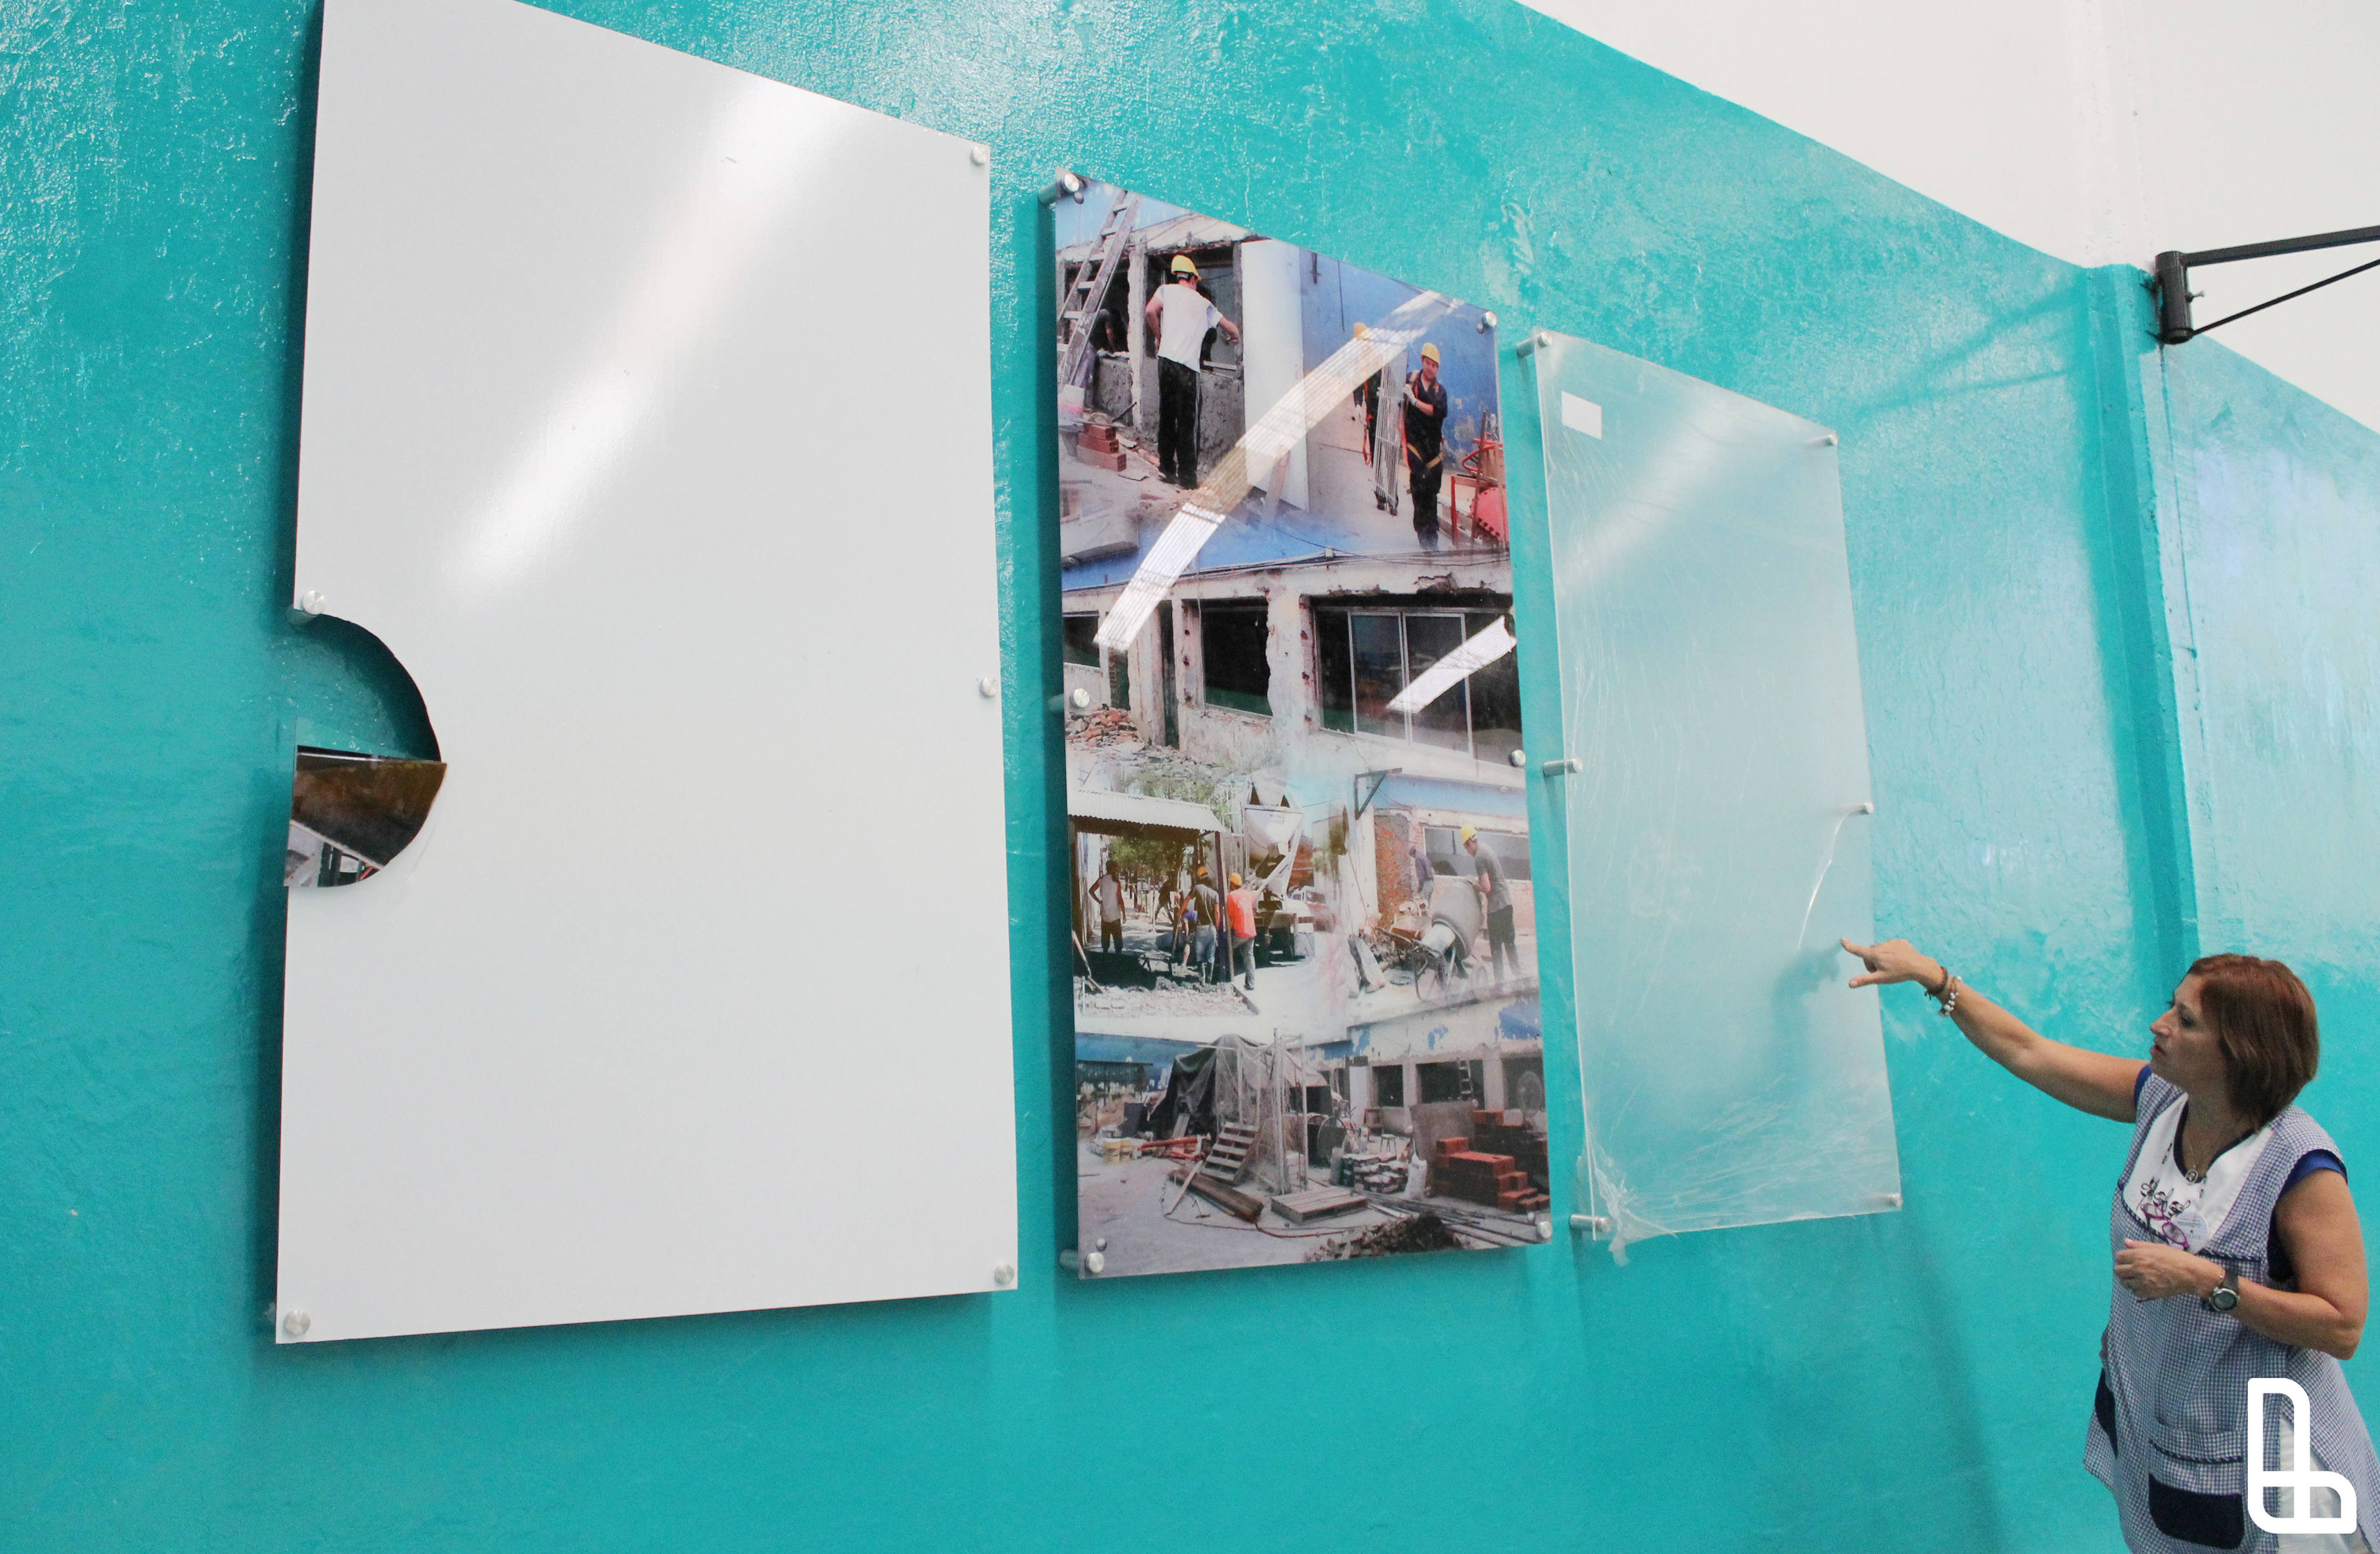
(2098, 1083)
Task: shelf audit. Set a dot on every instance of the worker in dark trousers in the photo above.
(1425, 444)
(1180, 317)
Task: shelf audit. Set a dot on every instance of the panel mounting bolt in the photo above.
(1082, 1262)
(1486, 322)
(988, 687)
(1004, 1275)
(1520, 758)
(296, 1324)
(312, 601)
(1543, 340)
(1825, 439)
(1079, 699)
(980, 155)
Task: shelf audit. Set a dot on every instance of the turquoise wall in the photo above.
(2096, 739)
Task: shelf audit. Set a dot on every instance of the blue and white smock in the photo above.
(2168, 1427)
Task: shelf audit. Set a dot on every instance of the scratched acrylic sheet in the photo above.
(1718, 828)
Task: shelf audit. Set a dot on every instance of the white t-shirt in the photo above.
(1183, 317)
(2185, 1213)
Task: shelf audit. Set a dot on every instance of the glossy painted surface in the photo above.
(1913, 1382)
(2276, 501)
(1718, 825)
(598, 437)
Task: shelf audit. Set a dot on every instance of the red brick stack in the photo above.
(1097, 445)
(1492, 1135)
(1457, 1170)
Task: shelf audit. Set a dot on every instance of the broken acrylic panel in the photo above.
(351, 814)
(1303, 924)
(1719, 822)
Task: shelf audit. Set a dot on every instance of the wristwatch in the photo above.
(2225, 1294)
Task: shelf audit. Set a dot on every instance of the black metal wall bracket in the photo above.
(2171, 282)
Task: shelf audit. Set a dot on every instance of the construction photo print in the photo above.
(1305, 947)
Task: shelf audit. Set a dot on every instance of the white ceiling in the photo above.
(2097, 130)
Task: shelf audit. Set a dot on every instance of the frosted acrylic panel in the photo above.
(647, 420)
(1718, 847)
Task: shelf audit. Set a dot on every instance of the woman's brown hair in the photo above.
(2264, 1019)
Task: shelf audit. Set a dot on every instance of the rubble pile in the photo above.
(1169, 997)
(1102, 726)
(1423, 1233)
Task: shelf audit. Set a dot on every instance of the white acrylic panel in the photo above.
(647, 420)
(1718, 826)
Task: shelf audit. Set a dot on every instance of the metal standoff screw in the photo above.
(1545, 1226)
(1563, 766)
(1067, 184)
(1486, 322)
(988, 687)
(1864, 806)
(1520, 758)
(296, 1324)
(980, 155)
(1082, 1262)
(1079, 699)
(1825, 440)
(1589, 1224)
(1004, 1275)
(1543, 340)
(1888, 1200)
(312, 602)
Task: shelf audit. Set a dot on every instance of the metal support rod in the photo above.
(2286, 297)
(2173, 267)
(2282, 246)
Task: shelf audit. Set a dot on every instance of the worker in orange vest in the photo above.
(1242, 904)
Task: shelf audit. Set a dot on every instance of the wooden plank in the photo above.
(1231, 1200)
(1318, 1203)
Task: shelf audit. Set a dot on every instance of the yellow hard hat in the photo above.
(1236, 879)
(1430, 353)
(1182, 265)
(1363, 331)
(1470, 833)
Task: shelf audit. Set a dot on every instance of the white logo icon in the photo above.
(2294, 1475)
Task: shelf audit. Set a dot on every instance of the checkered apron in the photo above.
(2168, 1427)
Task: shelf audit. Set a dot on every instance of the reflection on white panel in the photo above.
(647, 420)
(1718, 825)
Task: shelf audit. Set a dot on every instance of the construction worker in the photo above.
(1180, 317)
(1488, 877)
(1110, 891)
(1207, 908)
(1424, 405)
(1243, 905)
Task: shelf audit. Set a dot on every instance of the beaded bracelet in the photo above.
(1950, 995)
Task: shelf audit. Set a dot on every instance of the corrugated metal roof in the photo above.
(1139, 810)
(1189, 230)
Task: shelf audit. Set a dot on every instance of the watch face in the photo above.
(2224, 1299)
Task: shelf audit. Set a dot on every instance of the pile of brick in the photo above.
(1457, 1170)
(1508, 1133)
(1099, 445)
(1100, 726)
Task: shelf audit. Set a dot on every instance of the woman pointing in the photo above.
(2237, 1254)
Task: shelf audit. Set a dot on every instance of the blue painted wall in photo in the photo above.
(1913, 1381)
(1338, 295)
